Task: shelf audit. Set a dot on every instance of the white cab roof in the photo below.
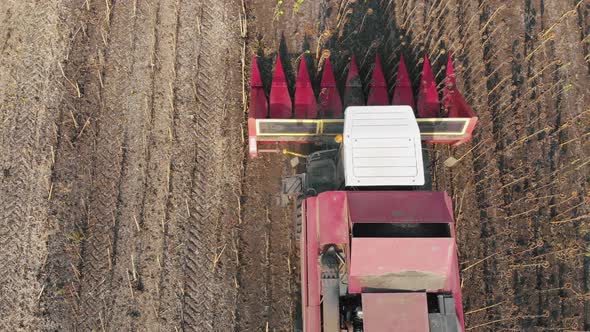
(382, 147)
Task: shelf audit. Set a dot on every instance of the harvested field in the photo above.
(127, 201)
(121, 185)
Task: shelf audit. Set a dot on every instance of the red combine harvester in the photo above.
(377, 254)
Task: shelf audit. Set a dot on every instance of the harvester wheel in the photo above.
(298, 217)
(298, 223)
(298, 320)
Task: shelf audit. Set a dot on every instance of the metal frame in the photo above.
(320, 126)
(463, 131)
(257, 137)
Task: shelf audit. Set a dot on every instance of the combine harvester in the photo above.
(377, 254)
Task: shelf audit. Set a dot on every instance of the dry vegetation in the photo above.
(520, 188)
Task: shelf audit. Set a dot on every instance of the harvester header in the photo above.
(318, 116)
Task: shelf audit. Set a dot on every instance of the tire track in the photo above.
(99, 247)
(260, 217)
(200, 303)
(153, 216)
(230, 153)
(130, 293)
(29, 96)
(71, 174)
(279, 270)
(178, 66)
(156, 191)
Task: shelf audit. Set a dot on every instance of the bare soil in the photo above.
(127, 201)
(121, 156)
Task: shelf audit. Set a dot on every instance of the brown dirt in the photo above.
(121, 156)
(127, 201)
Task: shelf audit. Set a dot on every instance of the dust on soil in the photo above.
(122, 150)
(128, 201)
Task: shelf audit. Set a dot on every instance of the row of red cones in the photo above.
(329, 104)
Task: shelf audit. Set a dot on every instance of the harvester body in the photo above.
(393, 252)
(398, 261)
(377, 254)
